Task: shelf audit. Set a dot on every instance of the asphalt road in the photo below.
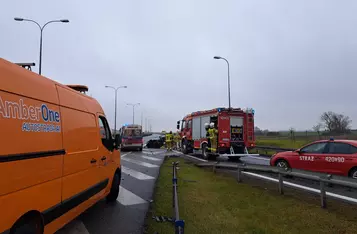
(127, 215)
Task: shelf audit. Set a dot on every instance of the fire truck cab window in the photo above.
(183, 124)
(189, 125)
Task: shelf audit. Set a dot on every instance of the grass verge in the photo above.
(215, 203)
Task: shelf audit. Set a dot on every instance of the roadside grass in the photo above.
(216, 203)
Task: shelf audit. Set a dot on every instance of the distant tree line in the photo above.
(330, 123)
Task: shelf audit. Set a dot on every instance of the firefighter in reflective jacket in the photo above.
(169, 139)
(213, 132)
(177, 139)
(207, 135)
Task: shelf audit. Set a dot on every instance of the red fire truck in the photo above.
(235, 131)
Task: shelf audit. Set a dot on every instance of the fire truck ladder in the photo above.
(233, 154)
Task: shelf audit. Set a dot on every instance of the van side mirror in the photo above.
(178, 125)
(298, 151)
(117, 141)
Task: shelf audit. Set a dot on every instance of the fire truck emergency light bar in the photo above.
(220, 109)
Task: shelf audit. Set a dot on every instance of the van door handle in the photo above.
(103, 158)
(93, 161)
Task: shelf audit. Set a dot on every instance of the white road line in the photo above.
(136, 174)
(260, 158)
(123, 155)
(75, 227)
(145, 164)
(151, 158)
(127, 198)
(152, 152)
(303, 187)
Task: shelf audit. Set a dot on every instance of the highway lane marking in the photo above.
(260, 158)
(123, 155)
(151, 158)
(152, 152)
(136, 174)
(145, 164)
(127, 198)
(303, 187)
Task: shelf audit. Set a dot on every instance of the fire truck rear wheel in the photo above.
(205, 154)
(184, 146)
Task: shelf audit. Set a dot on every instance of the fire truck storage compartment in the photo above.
(236, 129)
(204, 120)
(198, 127)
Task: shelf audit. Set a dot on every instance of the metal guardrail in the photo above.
(179, 223)
(323, 179)
(273, 148)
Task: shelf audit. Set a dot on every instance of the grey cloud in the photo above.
(290, 60)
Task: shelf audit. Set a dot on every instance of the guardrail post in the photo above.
(214, 167)
(281, 184)
(239, 174)
(323, 194)
(173, 185)
(179, 223)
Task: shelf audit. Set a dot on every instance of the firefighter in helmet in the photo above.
(177, 140)
(169, 139)
(213, 132)
(208, 135)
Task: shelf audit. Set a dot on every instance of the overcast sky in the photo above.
(290, 60)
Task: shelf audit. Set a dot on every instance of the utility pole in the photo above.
(229, 80)
(115, 107)
(141, 119)
(133, 105)
(41, 31)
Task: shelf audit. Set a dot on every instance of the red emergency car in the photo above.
(327, 156)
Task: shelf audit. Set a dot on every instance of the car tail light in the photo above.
(222, 144)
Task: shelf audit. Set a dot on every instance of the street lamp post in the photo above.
(229, 82)
(115, 110)
(133, 105)
(41, 29)
(147, 120)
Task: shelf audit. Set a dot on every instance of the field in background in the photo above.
(216, 203)
(284, 140)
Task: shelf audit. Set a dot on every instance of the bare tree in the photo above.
(336, 123)
(292, 133)
(317, 128)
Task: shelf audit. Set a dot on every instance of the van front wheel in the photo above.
(114, 190)
(28, 225)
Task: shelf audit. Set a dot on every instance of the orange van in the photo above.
(57, 155)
